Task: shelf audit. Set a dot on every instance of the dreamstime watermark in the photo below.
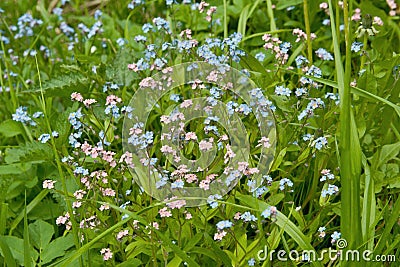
(174, 180)
(330, 253)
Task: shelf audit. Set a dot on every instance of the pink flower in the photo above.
(378, 21)
(104, 207)
(237, 216)
(108, 192)
(76, 97)
(204, 184)
(155, 225)
(229, 154)
(177, 204)
(323, 5)
(325, 171)
(88, 102)
(167, 150)
(187, 32)
(191, 177)
(212, 77)
(188, 216)
(202, 5)
(218, 236)
(133, 67)
(204, 145)
(122, 234)
(79, 194)
(148, 82)
(190, 136)
(76, 204)
(242, 166)
(108, 156)
(264, 141)
(164, 212)
(49, 184)
(186, 103)
(113, 100)
(107, 254)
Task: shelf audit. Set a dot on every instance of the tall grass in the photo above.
(349, 146)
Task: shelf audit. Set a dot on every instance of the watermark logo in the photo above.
(222, 98)
(331, 254)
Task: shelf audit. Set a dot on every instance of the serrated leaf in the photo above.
(63, 84)
(118, 72)
(30, 152)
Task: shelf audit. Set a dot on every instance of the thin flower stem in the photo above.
(59, 167)
(308, 31)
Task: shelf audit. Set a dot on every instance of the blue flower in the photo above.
(260, 56)
(44, 138)
(281, 90)
(211, 200)
(323, 54)
(248, 217)
(21, 115)
(283, 182)
(121, 41)
(335, 236)
(98, 14)
(81, 170)
(74, 117)
(356, 46)
(177, 184)
(175, 97)
(147, 27)
(320, 142)
(285, 47)
(224, 224)
(330, 191)
(301, 61)
(135, 3)
(251, 262)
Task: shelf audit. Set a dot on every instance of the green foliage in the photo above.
(66, 203)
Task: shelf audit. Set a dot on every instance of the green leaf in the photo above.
(282, 221)
(388, 152)
(130, 263)
(180, 253)
(282, 4)
(63, 84)
(10, 128)
(118, 72)
(27, 245)
(57, 248)
(251, 63)
(243, 20)
(17, 168)
(16, 246)
(34, 152)
(40, 233)
(6, 252)
(278, 160)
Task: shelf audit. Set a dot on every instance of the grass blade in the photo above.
(349, 147)
(369, 207)
(27, 248)
(6, 252)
